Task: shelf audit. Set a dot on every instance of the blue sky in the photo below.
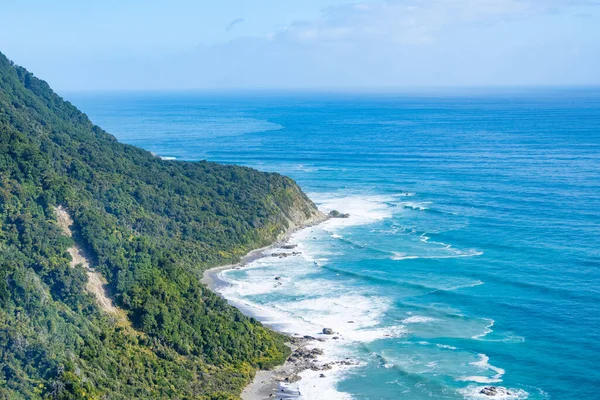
(308, 44)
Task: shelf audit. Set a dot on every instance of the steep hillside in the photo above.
(148, 228)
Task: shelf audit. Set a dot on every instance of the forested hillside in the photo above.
(150, 227)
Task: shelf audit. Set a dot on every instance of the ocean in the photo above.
(471, 256)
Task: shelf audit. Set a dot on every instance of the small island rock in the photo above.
(337, 214)
(494, 391)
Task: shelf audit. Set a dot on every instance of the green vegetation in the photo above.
(151, 228)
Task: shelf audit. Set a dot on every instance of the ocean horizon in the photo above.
(470, 257)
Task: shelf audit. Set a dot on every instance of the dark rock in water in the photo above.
(495, 391)
(289, 246)
(489, 391)
(285, 255)
(335, 337)
(337, 214)
(327, 331)
(322, 376)
(309, 337)
(277, 278)
(350, 322)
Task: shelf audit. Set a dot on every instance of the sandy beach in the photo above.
(306, 351)
(303, 356)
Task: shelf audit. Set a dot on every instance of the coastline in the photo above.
(305, 350)
(210, 276)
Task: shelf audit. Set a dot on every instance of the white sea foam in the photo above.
(488, 330)
(417, 319)
(314, 387)
(467, 285)
(478, 379)
(474, 392)
(397, 256)
(445, 346)
(354, 318)
(320, 303)
(306, 304)
(483, 364)
(362, 209)
(433, 250)
(414, 205)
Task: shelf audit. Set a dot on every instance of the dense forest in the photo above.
(150, 227)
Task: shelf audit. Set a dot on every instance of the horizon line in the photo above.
(336, 90)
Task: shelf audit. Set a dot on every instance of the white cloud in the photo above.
(412, 21)
(385, 44)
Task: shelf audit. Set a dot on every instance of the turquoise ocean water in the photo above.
(472, 254)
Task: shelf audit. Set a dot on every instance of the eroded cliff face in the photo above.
(96, 283)
(301, 211)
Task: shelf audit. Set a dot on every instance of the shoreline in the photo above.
(210, 276)
(304, 349)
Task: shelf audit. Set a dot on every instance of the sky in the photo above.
(303, 44)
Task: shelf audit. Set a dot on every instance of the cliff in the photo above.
(142, 228)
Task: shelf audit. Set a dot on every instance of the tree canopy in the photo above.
(151, 227)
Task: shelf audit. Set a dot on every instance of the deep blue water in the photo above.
(472, 255)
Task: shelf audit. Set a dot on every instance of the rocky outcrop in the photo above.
(327, 331)
(494, 391)
(337, 214)
(286, 255)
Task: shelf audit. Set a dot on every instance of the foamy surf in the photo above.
(488, 330)
(399, 256)
(418, 319)
(473, 392)
(302, 294)
(484, 365)
(286, 319)
(317, 304)
(362, 210)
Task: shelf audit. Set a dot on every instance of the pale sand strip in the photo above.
(265, 383)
